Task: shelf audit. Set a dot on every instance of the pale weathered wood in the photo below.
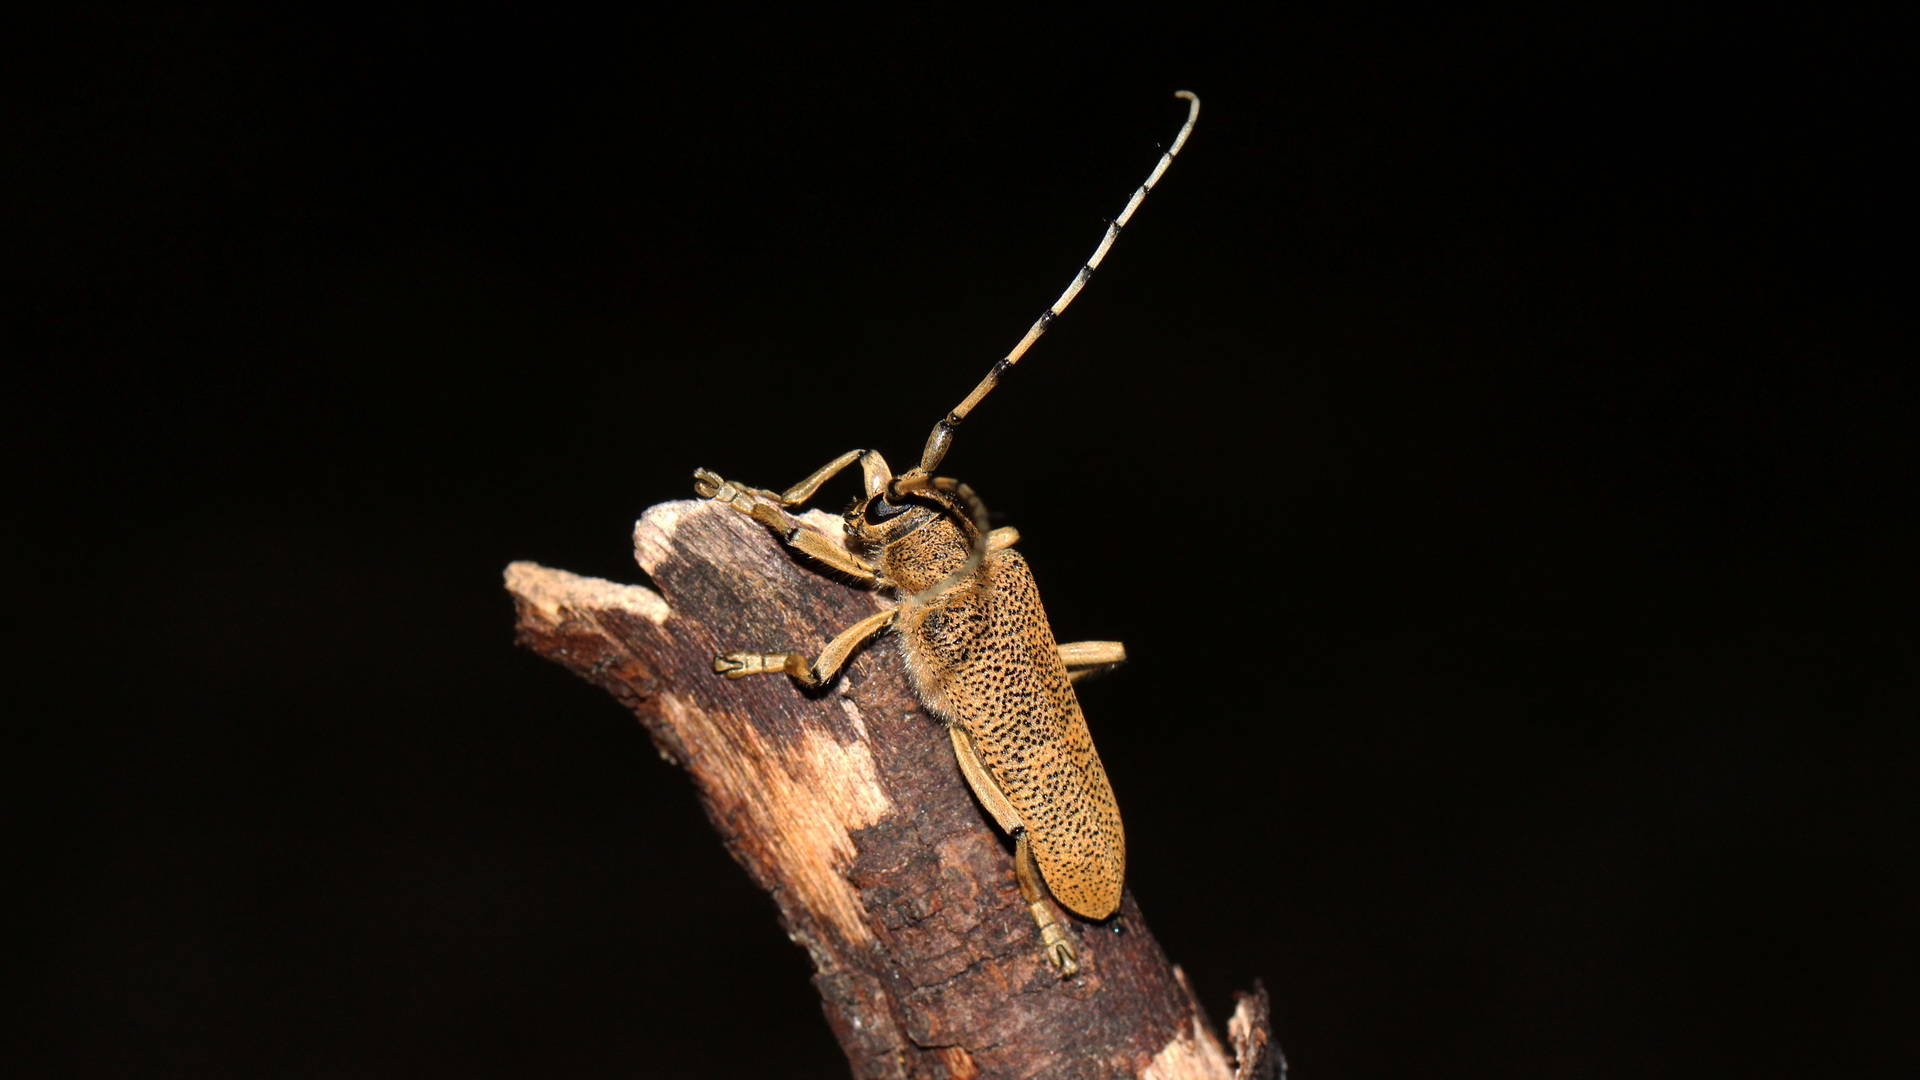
(848, 807)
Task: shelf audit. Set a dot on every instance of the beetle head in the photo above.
(917, 538)
(884, 519)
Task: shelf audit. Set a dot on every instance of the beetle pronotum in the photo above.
(979, 651)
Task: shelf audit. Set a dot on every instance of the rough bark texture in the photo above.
(848, 807)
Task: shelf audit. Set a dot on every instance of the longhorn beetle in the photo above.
(978, 648)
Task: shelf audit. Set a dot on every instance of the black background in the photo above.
(1494, 442)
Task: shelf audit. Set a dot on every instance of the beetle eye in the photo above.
(882, 510)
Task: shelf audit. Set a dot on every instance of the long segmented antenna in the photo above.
(942, 435)
(922, 476)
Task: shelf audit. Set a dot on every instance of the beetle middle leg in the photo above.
(810, 674)
(1084, 658)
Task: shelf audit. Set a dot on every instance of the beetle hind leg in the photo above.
(1053, 937)
(1060, 951)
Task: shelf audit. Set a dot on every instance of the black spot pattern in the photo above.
(983, 657)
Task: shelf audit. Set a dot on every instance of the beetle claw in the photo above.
(1060, 951)
(1061, 955)
(711, 485)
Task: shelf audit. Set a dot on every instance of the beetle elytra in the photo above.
(979, 651)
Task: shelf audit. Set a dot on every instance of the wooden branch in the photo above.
(849, 808)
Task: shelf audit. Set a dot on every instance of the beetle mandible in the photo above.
(979, 651)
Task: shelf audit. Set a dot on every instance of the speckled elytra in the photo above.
(978, 648)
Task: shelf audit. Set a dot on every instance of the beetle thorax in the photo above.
(916, 547)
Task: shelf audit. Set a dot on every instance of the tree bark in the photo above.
(848, 807)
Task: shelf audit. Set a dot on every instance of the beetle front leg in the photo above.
(767, 508)
(873, 470)
(709, 484)
(814, 674)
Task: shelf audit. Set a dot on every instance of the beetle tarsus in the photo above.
(1060, 952)
(739, 665)
(711, 485)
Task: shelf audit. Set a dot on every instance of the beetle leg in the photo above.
(739, 665)
(981, 782)
(1084, 658)
(829, 554)
(765, 507)
(1002, 538)
(875, 476)
(1060, 951)
(709, 485)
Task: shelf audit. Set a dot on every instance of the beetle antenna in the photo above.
(942, 435)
